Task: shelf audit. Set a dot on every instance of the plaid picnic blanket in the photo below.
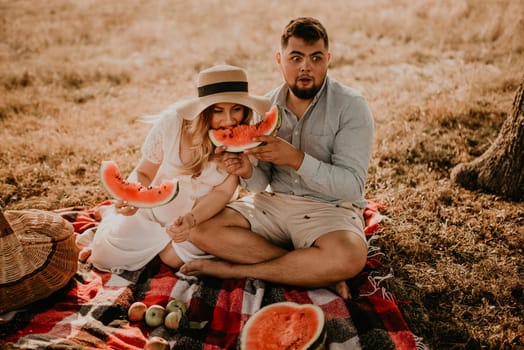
(91, 311)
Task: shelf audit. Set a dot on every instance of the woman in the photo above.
(178, 147)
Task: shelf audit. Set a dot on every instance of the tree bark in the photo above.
(500, 170)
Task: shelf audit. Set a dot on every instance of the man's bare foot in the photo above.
(215, 268)
(342, 289)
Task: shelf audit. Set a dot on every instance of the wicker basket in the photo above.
(38, 256)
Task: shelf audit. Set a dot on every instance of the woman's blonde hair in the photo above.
(201, 146)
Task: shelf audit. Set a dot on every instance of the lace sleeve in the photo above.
(152, 147)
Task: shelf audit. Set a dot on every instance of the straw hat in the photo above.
(38, 256)
(222, 83)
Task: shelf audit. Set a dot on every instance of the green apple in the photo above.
(136, 311)
(176, 304)
(157, 343)
(172, 320)
(154, 316)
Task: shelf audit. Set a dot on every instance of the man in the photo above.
(306, 228)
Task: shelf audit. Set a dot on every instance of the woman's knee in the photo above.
(169, 257)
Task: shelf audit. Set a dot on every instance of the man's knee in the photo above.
(356, 256)
(347, 251)
(198, 235)
(206, 233)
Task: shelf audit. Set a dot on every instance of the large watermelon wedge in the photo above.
(134, 193)
(240, 137)
(285, 325)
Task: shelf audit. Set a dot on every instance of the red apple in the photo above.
(172, 320)
(154, 316)
(136, 311)
(157, 343)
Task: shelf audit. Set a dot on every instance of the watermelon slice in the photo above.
(285, 325)
(240, 137)
(134, 193)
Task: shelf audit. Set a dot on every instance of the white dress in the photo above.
(130, 242)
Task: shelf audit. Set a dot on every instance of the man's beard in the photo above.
(305, 94)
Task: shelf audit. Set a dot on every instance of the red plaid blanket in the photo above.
(91, 311)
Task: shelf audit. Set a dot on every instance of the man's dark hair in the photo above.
(306, 28)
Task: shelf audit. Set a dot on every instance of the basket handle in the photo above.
(5, 228)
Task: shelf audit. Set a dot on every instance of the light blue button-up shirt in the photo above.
(336, 135)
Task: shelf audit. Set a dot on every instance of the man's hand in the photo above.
(277, 151)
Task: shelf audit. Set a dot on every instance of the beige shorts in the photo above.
(296, 222)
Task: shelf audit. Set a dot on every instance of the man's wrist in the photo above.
(298, 161)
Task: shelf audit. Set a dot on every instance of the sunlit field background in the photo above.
(440, 76)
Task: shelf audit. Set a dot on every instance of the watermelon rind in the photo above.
(169, 189)
(317, 340)
(241, 148)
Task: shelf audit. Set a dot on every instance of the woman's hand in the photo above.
(179, 230)
(123, 208)
(235, 163)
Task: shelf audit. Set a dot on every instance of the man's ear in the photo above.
(278, 57)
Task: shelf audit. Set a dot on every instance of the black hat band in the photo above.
(227, 86)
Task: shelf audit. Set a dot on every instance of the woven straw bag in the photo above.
(38, 256)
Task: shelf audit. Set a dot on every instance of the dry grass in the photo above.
(440, 76)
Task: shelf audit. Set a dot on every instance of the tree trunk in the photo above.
(500, 170)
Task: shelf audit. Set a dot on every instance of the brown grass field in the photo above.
(440, 76)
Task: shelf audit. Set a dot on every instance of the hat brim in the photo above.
(191, 109)
(38, 257)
